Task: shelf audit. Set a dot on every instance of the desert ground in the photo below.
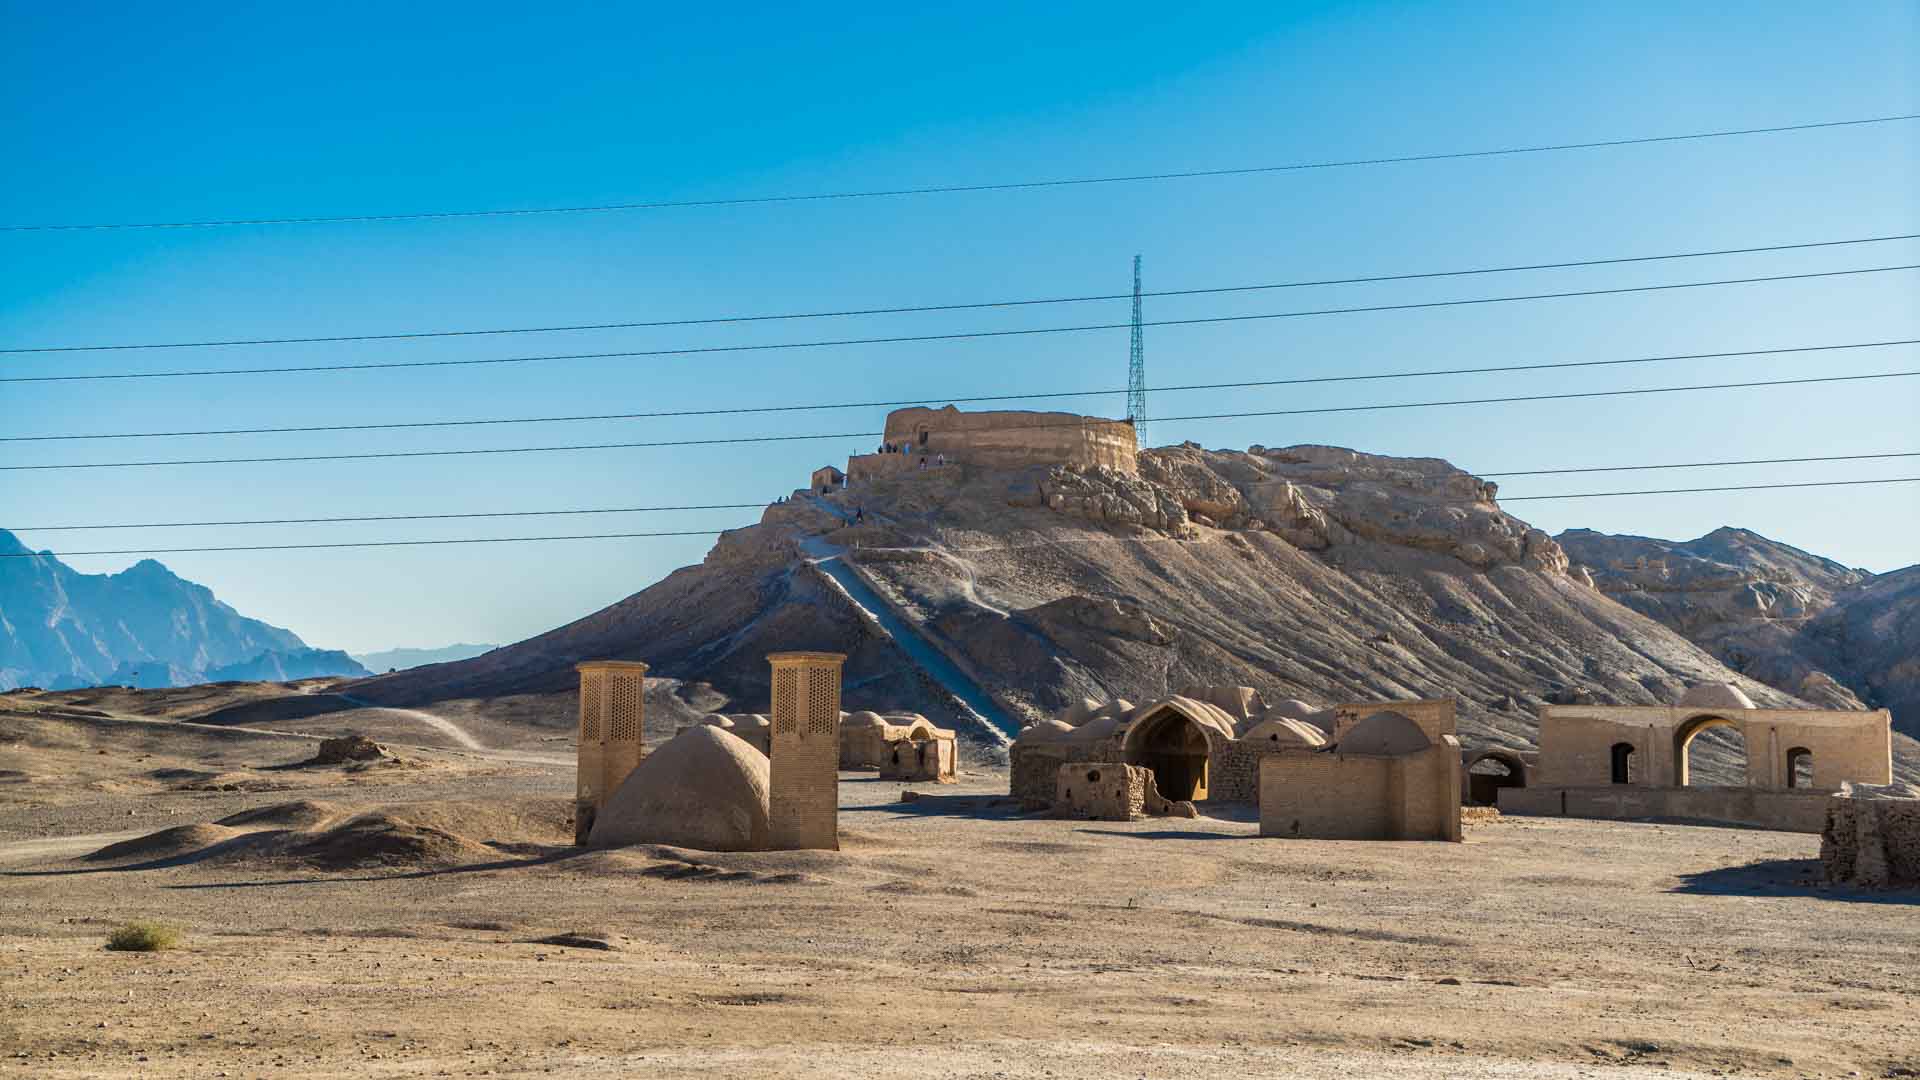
(424, 915)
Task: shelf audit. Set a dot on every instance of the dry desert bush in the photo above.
(143, 935)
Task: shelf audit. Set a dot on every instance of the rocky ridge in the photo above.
(1306, 572)
(1837, 636)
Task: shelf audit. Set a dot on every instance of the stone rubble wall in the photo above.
(1871, 842)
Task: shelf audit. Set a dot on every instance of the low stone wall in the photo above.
(1102, 791)
(1871, 842)
(1785, 811)
(1033, 771)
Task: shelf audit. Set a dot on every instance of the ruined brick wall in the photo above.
(1871, 842)
(1012, 440)
(1102, 791)
(1033, 771)
(1233, 771)
(923, 759)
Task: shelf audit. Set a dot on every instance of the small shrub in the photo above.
(143, 936)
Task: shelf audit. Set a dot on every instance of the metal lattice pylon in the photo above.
(1137, 368)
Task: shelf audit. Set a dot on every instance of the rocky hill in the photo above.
(1311, 572)
(144, 626)
(1835, 635)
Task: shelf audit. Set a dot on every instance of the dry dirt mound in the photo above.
(166, 844)
(380, 839)
(318, 835)
(304, 814)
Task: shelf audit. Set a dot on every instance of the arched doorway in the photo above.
(1175, 748)
(1623, 763)
(1710, 751)
(1489, 771)
(1800, 767)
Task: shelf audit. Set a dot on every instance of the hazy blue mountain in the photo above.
(402, 659)
(145, 625)
(285, 665)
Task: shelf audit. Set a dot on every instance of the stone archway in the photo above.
(1504, 770)
(1175, 747)
(1684, 739)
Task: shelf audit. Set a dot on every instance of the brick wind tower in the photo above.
(803, 782)
(612, 735)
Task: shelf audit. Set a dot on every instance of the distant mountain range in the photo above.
(402, 659)
(144, 626)
(1831, 634)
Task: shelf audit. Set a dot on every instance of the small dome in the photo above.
(1044, 731)
(1385, 734)
(751, 721)
(1285, 731)
(864, 719)
(1095, 730)
(717, 720)
(1325, 720)
(1715, 695)
(704, 789)
(1078, 713)
(1291, 709)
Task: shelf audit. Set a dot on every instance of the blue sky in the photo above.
(202, 111)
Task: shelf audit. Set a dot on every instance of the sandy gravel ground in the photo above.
(950, 937)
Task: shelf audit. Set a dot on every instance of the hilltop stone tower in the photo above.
(612, 735)
(803, 783)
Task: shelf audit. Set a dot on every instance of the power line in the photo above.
(1702, 464)
(359, 544)
(948, 189)
(935, 400)
(741, 439)
(1692, 491)
(715, 532)
(752, 506)
(972, 334)
(387, 517)
(970, 306)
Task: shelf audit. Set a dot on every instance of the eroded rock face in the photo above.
(1113, 497)
(1835, 636)
(1317, 497)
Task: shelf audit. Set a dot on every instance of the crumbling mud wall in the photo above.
(1013, 440)
(1872, 837)
(1109, 791)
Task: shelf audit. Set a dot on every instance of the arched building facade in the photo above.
(1633, 761)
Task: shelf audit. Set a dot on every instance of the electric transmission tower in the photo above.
(1137, 367)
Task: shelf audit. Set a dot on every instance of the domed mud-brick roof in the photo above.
(1715, 695)
(1292, 709)
(704, 789)
(1385, 734)
(1210, 719)
(1286, 731)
